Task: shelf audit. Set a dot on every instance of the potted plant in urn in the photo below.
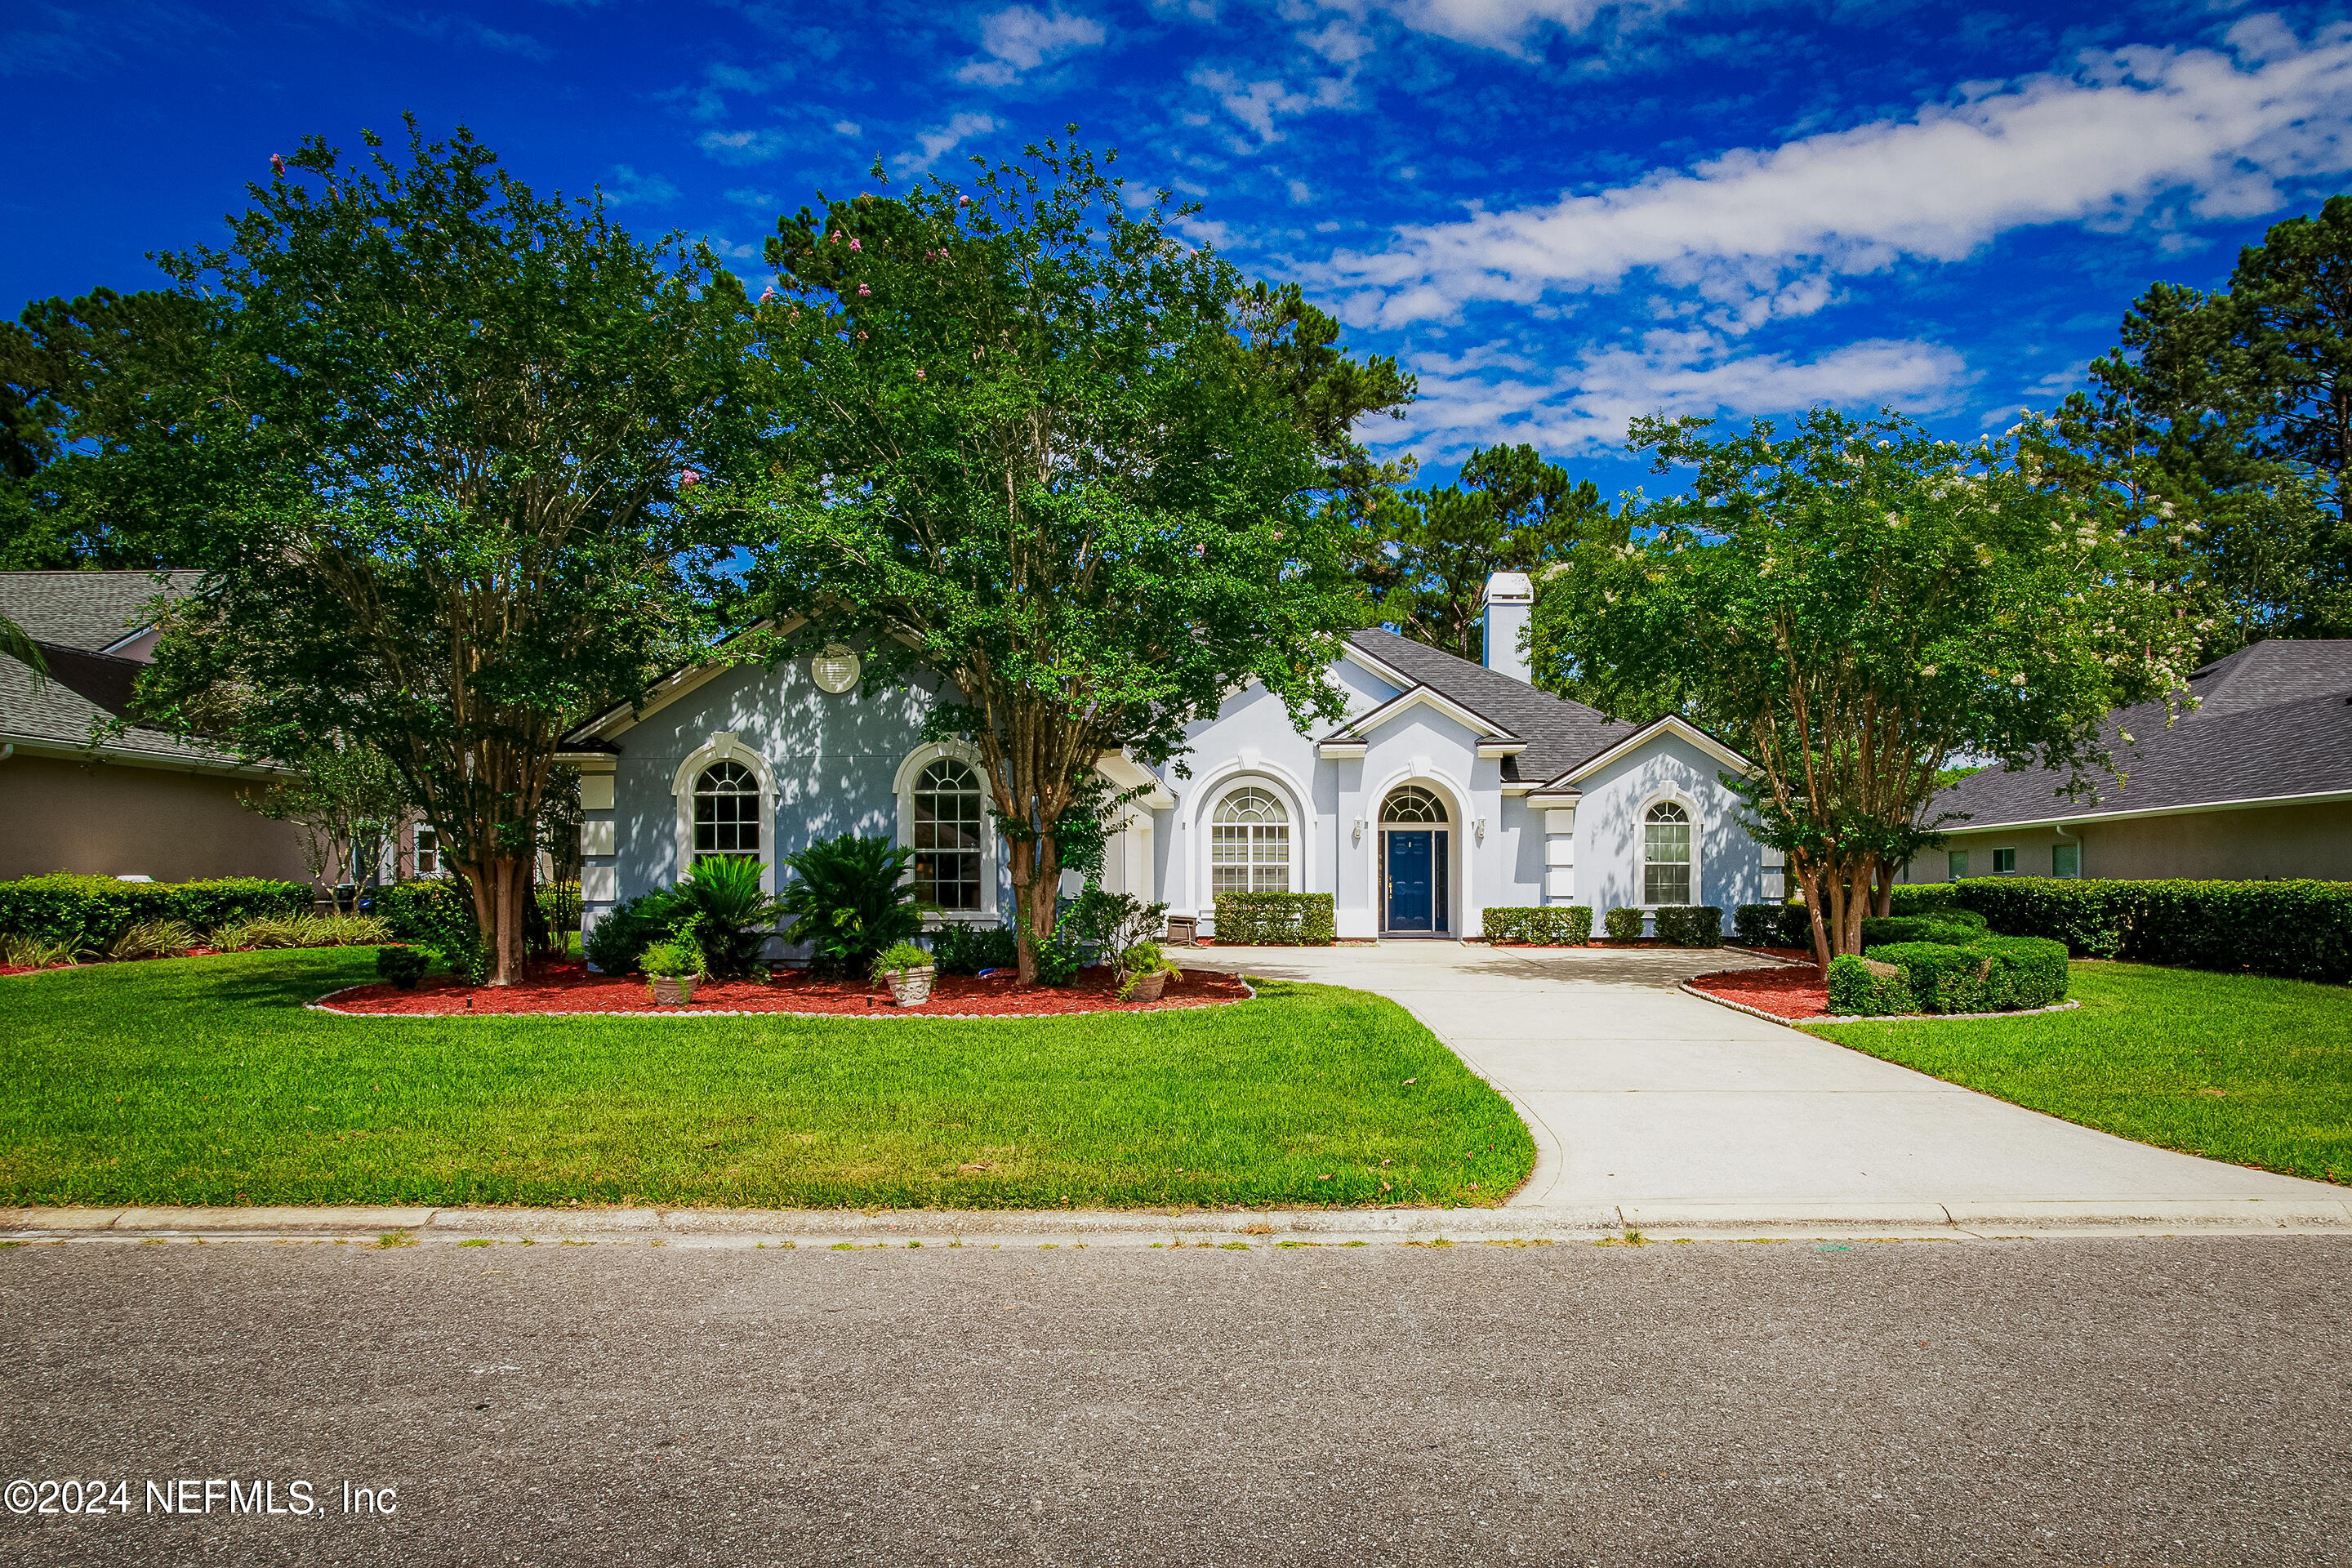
(671, 969)
(1144, 971)
(909, 971)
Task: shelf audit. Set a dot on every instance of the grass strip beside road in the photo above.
(205, 1081)
(2232, 1066)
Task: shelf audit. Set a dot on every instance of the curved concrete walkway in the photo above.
(1671, 1110)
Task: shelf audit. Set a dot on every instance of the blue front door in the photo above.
(1416, 880)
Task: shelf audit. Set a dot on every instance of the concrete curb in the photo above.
(1664, 1220)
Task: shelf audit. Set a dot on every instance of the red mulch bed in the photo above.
(1798, 992)
(568, 987)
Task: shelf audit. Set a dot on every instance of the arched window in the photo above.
(1249, 844)
(727, 810)
(1413, 806)
(1666, 855)
(946, 840)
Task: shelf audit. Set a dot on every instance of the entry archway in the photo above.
(1416, 853)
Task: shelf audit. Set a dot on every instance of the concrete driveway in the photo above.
(1676, 1110)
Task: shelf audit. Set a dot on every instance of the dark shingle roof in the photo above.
(2272, 720)
(91, 610)
(71, 616)
(1559, 733)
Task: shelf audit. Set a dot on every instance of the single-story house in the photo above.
(1449, 787)
(137, 804)
(2255, 782)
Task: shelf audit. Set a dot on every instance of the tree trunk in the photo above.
(497, 886)
(1815, 884)
(1036, 895)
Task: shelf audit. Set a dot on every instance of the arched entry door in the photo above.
(1416, 863)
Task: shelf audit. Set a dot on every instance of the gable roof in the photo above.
(1557, 733)
(74, 616)
(2274, 723)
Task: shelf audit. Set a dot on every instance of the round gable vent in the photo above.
(835, 669)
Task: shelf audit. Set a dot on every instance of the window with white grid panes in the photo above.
(947, 823)
(1249, 844)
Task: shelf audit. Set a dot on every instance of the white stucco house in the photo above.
(1450, 788)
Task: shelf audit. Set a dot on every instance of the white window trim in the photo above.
(902, 791)
(1205, 836)
(1670, 795)
(723, 746)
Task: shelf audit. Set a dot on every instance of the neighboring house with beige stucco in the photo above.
(2254, 783)
(76, 795)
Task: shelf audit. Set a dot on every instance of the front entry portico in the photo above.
(1416, 864)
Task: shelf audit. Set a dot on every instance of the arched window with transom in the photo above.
(948, 824)
(1412, 806)
(1249, 844)
(1666, 855)
(727, 810)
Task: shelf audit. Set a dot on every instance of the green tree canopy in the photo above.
(1431, 551)
(99, 397)
(1857, 605)
(1031, 441)
(465, 408)
(2234, 410)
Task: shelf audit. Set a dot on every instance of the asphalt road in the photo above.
(2062, 1402)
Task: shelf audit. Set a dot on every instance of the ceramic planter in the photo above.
(1147, 988)
(672, 990)
(912, 987)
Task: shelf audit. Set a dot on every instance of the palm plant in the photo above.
(731, 914)
(850, 899)
(18, 644)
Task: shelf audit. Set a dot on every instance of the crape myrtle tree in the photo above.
(2232, 410)
(1031, 441)
(1855, 604)
(467, 407)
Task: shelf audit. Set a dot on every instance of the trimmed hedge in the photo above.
(1690, 925)
(1993, 975)
(1952, 926)
(2300, 930)
(1773, 925)
(1556, 925)
(1622, 923)
(1277, 920)
(1858, 991)
(435, 912)
(86, 913)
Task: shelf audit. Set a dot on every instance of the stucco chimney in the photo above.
(1511, 598)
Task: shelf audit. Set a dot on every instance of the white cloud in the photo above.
(630, 188)
(1299, 193)
(1257, 103)
(742, 146)
(1506, 23)
(1485, 397)
(1761, 233)
(1021, 38)
(936, 143)
(847, 128)
(1338, 41)
(744, 197)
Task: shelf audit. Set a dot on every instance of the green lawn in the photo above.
(2254, 1071)
(204, 1081)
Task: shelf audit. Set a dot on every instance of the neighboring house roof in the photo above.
(2274, 723)
(100, 611)
(74, 616)
(1559, 734)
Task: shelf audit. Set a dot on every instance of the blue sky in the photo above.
(1559, 215)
